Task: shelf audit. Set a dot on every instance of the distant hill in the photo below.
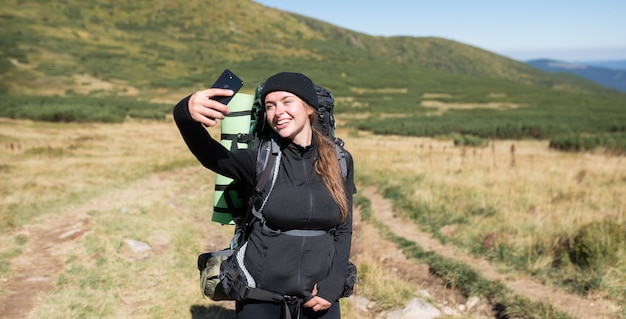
(610, 64)
(611, 78)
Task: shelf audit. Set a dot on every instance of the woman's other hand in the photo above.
(205, 110)
(316, 303)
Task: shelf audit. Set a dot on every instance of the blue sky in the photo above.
(575, 30)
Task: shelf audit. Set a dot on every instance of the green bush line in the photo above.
(75, 108)
(113, 109)
(537, 123)
(612, 142)
(461, 276)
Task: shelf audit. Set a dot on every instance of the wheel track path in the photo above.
(573, 305)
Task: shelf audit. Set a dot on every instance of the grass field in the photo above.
(558, 216)
(515, 202)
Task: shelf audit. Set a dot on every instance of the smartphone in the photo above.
(227, 80)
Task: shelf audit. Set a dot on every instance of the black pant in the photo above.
(253, 309)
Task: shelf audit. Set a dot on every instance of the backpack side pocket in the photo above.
(209, 266)
(351, 280)
(234, 277)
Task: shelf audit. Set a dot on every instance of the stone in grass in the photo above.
(416, 309)
(137, 246)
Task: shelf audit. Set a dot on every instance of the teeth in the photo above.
(282, 122)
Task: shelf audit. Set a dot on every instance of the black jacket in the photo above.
(285, 264)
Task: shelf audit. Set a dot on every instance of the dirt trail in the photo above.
(522, 285)
(368, 245)
(38, 267)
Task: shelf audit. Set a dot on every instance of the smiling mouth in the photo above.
(282, 122)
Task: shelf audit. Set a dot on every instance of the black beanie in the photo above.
(296, 83)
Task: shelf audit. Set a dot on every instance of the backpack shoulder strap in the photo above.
(342, 157)
(268, 162)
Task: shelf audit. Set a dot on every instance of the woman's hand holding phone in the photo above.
(209, 105)
(206, 110)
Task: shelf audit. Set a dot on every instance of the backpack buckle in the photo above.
(292, 300)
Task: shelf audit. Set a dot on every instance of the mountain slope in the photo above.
(615, 79)
(154, 45)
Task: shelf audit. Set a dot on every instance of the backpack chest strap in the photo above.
(297, 232)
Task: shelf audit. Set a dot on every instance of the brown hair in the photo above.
(327, 166)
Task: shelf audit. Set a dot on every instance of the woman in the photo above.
(309, 194)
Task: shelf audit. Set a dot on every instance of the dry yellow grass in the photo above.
(137, 180)
(519, 193)
(45, 163)
(103, 184)
(529, 183)
(443, 107)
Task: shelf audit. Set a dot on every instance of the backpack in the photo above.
(223, 275)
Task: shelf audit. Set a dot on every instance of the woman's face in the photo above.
(288, 116)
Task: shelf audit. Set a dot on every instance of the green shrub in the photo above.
(469, 140)
(597, 245)
(148, 114)
(614, 142)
